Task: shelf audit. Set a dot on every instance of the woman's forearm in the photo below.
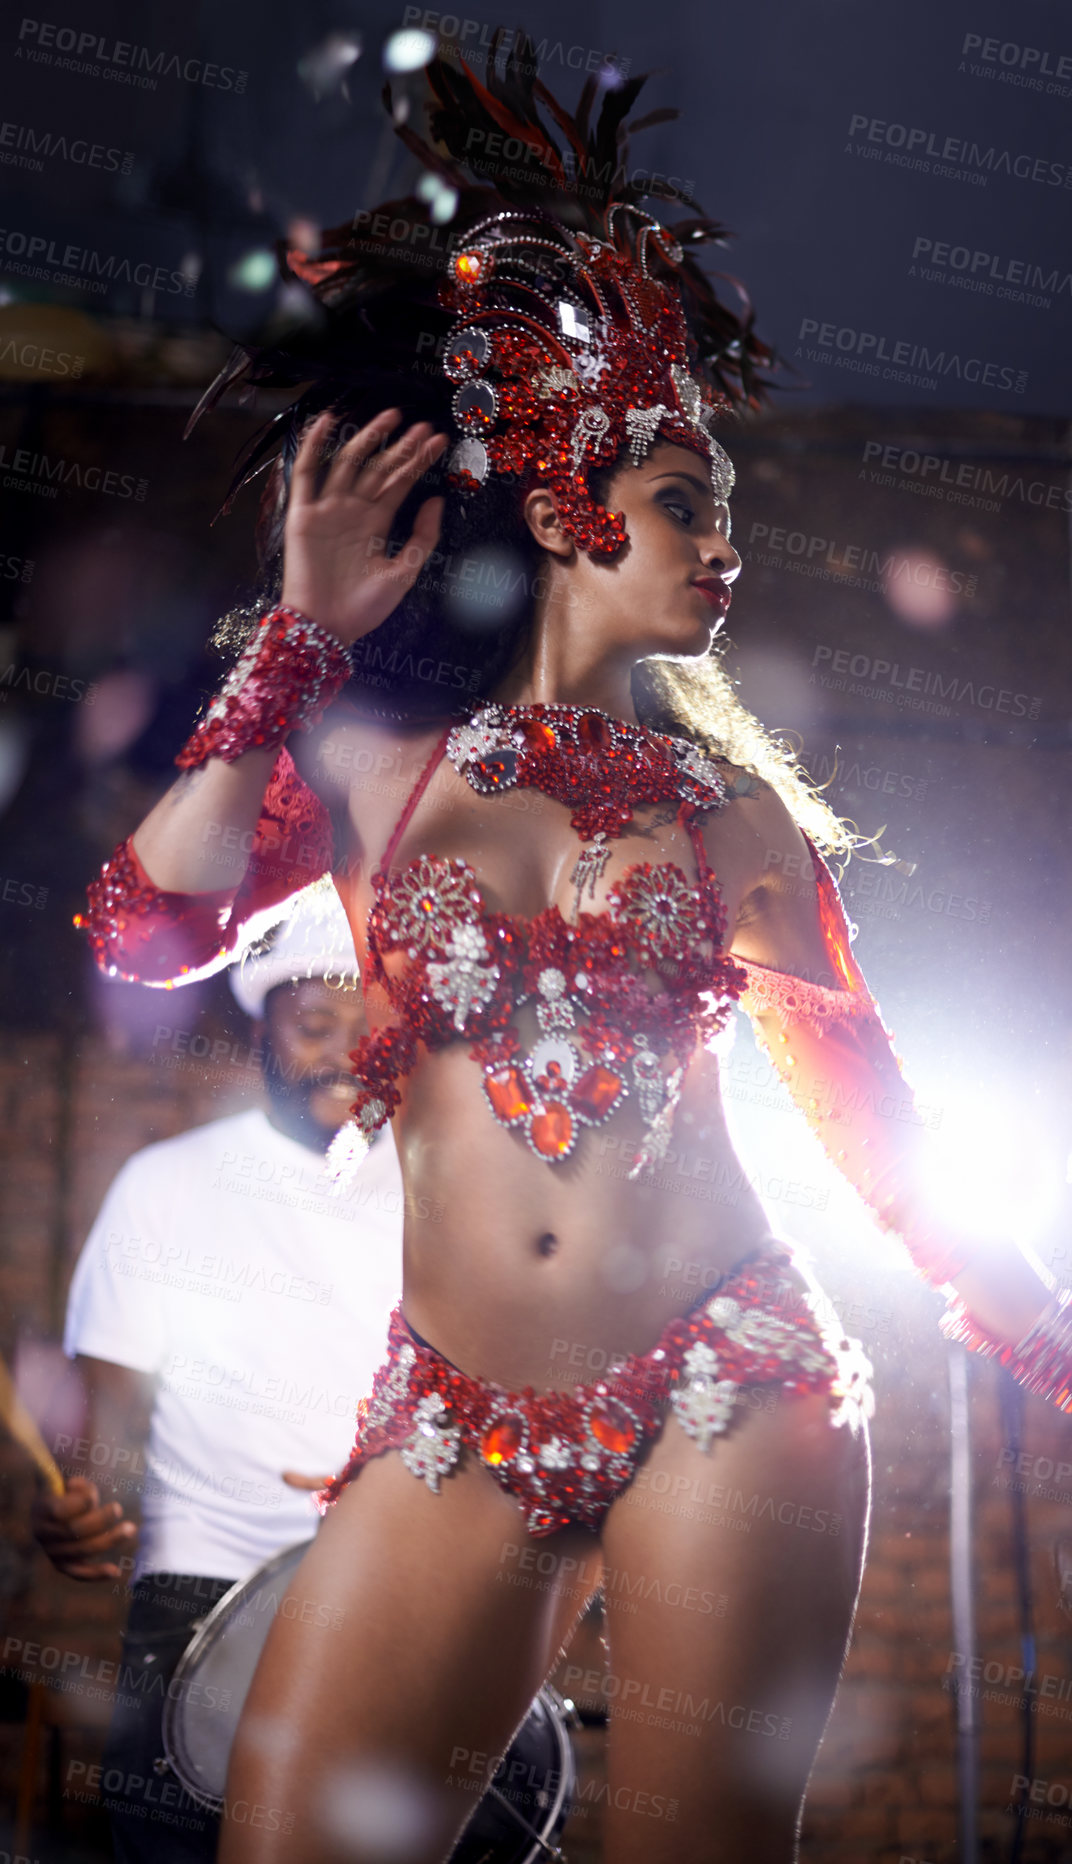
(199, 837)
(1002, 1291)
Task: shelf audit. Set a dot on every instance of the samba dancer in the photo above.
(545, 987)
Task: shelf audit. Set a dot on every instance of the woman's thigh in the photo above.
(399, 1666)
(731, 1582)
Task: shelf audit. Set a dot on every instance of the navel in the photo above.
(547, 1243)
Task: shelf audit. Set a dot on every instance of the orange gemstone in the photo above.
(551, 1131)
(593, 732)
(468, 267)
(596, 1091)
(612, 1427)
(508, 1094)
(502, 1440)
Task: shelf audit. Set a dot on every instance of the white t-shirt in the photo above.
(222, 1262)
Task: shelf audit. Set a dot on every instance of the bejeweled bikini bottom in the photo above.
(566, 1455)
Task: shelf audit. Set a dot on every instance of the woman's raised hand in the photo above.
(335, 566)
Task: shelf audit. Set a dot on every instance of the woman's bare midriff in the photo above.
(530, 1274)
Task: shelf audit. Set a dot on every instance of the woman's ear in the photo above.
(540, 512)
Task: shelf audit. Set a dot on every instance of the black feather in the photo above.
(374, 303)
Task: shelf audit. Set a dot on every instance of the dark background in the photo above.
(943, 722)
(768, 94)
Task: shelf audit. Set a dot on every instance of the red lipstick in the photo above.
(715, 591)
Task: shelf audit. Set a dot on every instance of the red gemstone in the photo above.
(551, 1131)
(508, 1094)
(503, 1439)
(596, 1091)
(468, 267)
(536, 734)
(612, 1427)
(593, 732)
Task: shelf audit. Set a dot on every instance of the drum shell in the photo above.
(518, 1817)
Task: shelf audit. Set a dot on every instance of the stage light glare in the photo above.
(409, 50)
(993, 1169)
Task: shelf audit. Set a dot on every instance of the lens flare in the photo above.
(409, 50)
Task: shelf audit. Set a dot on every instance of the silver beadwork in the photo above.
(467, 978)
(590, 868)
(642, 425)
(704, 1404)
(435, 1446)
(591, 426)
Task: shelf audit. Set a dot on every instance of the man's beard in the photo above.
(291, 1096)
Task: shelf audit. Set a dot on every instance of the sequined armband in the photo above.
(795, 999)
(286, 675)
(1041, 1362)
(138, 931)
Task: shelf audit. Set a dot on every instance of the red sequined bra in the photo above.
(605, 1035)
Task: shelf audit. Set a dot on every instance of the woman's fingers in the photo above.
(362, 452)
(306, 469)
(368, 476)
(364, 466)
(402, 474)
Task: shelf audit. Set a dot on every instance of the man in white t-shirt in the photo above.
(227, 1311)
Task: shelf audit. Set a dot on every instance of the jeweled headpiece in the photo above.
(573, 328)
(567, 351)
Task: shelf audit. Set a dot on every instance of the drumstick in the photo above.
(14, 1414)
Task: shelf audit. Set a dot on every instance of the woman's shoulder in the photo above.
(355, 738)
(740, 782)
(756, 829)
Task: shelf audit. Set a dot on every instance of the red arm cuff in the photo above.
(148, 936)
(145, 935)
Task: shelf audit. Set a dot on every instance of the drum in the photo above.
(517, 1821)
